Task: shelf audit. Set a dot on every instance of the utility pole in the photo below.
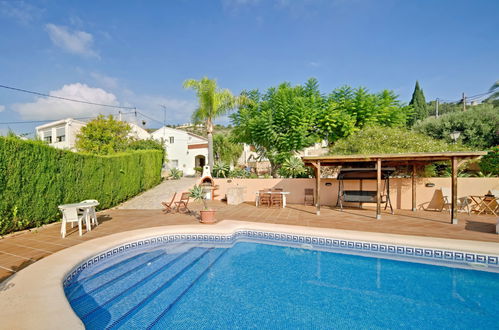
(119, 112)
(464, 102)
(436, 107)
(164, 114)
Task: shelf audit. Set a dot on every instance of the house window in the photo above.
(174, 163)
(172, 139)
(47, 136)
(60, 134)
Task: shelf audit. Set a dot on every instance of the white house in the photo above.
(60, 134)
(138, 133)
(184, 150)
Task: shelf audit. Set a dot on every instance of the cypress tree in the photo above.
(418, 104)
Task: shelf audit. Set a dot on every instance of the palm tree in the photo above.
(213, 102)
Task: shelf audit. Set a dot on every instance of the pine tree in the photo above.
(418, 103)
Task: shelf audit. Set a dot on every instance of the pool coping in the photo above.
(39, 301)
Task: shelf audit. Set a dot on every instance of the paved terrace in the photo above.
(21, 249)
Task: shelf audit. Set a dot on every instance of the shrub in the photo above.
(238, 173)
(35, 179)
(479, 126)
(176, 174)
(293, 168)
(489, 164)
(384, 140)
(220, 170)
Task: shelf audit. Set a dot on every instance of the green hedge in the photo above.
(35, 179)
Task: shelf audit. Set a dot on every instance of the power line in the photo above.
(49, 120)
(150, 118)
(65, 98)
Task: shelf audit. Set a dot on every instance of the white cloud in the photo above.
(45, 108)
(314, 64)
(178, 111)
(105, 81)
(75, 42)
(20, 11)
(2, 108)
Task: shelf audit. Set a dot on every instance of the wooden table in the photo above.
(485, 204)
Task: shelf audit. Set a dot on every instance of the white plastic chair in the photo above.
(71, 215)
(463, 203)
(91, 211)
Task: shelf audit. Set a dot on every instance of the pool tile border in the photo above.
(390, 251)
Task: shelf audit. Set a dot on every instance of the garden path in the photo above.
(152, 198)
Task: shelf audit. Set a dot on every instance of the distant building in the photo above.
(184, 150)
(261, 165)
(138, 133)
(60, 134)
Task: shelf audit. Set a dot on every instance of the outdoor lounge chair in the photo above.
(181, 205)
(463, 203)
(167, 206)
(71, 215)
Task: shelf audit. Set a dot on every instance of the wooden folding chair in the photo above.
(309, 196)
(264, 197)
(167, 206)
(276, 198)
(181, 205)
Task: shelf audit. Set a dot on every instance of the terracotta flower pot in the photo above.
(208, 216)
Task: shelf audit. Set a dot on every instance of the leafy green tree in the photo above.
(280, 122)
(350, 109)
(479, 126)
(489, 164)
(213, 103)
(225, 149)
(103, 136)
(381, 140)
(418, 103)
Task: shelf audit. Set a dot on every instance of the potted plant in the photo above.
(198, 193)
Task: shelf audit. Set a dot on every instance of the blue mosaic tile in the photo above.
(376, 248)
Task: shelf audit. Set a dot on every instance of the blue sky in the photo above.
(138, 53)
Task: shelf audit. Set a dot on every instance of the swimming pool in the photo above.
(270, 280)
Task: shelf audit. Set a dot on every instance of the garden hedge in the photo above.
(36, 178)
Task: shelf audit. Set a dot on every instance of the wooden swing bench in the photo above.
(364, 196)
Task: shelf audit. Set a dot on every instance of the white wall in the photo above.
(71, 129)
(179, 150)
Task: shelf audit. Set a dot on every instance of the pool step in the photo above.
(151, 309)
(89, 283)
(112, 304)
(110, 292)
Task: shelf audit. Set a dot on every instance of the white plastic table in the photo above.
(85, 207)
(283, 193)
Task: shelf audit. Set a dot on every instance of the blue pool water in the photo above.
(255, 286)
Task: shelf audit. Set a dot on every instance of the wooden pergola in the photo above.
(409, 159)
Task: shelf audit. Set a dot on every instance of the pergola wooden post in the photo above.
(378, 189)
(454, 165)
(318, 188)
(413, 177)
